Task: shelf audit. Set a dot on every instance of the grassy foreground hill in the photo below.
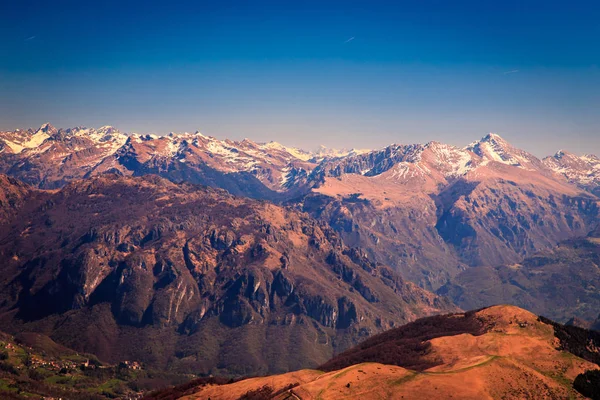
(501, 352)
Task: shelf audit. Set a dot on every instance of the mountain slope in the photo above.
(561, 282)
(432, 210)
(13, 196)
(499, 352)
(186, 277)
(34, 366)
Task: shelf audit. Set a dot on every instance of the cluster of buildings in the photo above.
(130, 365)
(55, 365)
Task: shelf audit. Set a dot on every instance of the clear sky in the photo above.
(304, 73)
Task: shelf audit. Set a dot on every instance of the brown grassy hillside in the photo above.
(499, 352)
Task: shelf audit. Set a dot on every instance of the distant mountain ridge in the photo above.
(49, 157)
(581, 170)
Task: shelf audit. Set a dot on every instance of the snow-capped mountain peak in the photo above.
(325, 152)
(294, 151)
(494, 148)
(47, 128)
(592, 158)
(581, 170)
(107, 129)
(19, 140)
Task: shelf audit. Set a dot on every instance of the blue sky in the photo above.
(342, 74)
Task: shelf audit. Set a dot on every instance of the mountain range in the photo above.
(208, 280)
(212, 248)
(49, 157)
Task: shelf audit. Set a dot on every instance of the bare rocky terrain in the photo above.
(191, 278)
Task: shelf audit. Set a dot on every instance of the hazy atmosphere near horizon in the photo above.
(305, 73)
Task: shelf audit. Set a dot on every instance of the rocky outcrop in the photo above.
(147, 256)
(13, 196)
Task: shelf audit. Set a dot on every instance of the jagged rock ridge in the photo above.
(109, 264)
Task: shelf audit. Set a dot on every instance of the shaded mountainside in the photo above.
(407, 345)
(13, 195)
(562, 282)
(191, 278)
(498, 352)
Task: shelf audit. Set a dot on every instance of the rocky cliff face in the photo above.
(13, 196)
(107, 260)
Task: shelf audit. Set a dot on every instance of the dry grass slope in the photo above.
(514, 356)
